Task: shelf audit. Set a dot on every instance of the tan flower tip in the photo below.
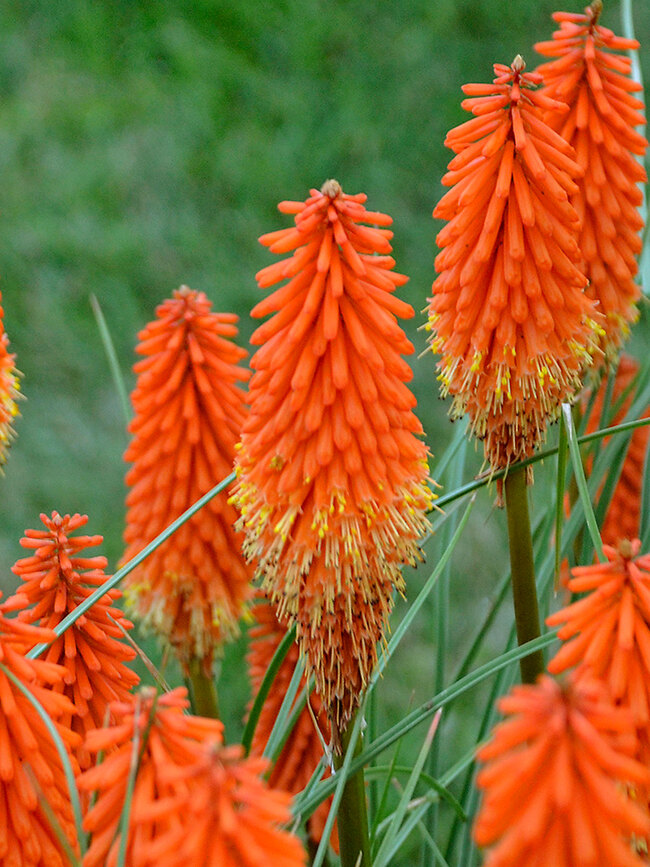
(331, 188)
(594, 9)
(627, 549)
(518, 64)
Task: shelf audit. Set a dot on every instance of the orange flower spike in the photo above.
(168, 737)
(230, 815)
(600, 124)
(189, 410)
(57, 577)
(552, 779)
(304, 747)
(31, 772)
(607, 632)
(332, 482)
(9, 391)
(508, 314)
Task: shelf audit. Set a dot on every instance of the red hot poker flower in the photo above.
(607, 632)
(9, 390)
(508, 314)
(552, 780)
(304, 747)
(31, 773)
(596, 84)
(332, 476)
(189, 410)
(168, 737)
(231, 816)
(57, 577)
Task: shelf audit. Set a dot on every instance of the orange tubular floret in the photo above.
(510, 354)
(189, 408)
(602, 110)
(332, 480)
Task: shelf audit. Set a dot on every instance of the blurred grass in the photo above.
(145, 144)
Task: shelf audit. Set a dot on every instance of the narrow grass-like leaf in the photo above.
(61, 750)
(644, 529)
(109, 349)
(579, 474)
(379, 812)
(278, 731)
(115, 579)
(389, 771)
(274, 666)
(560, 483)
(385, 853)
(146, 661)
(283, 734)
(307, 805)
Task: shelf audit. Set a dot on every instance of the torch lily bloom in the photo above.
(57, 578)
(332, 477)
(607, 632)
(595, 82)
(508, 314)
(553, 776)
(189, 410)
(166, 736)
(9, 391)
(33, 787)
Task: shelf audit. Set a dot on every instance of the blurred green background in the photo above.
(145, 144)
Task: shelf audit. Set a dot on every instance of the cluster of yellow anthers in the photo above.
(332, 475)
(9, 390)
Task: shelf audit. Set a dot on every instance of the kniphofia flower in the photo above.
(9, 390)
(32, 782)
(167, 737)
(553, 776)
(231, 816)
(509, 314)
(595, 82)
(623, 516)
(332, 480)
(57, 577)
(303, 749)
(606, 633)
(189, 409)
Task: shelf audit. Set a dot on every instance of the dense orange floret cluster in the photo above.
(332, 480)
(167, 737)
(623, 517)
(9, 390)
(303, 749)
(553, 780)
(596, 84)
(232, 816)
(57, 578)
(33, 787)
(194, 801)
(189, 410)
(607, 632)
(509, 315)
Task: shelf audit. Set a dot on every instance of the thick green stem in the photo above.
(522, 571)
(203, 691)
(352, 817)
